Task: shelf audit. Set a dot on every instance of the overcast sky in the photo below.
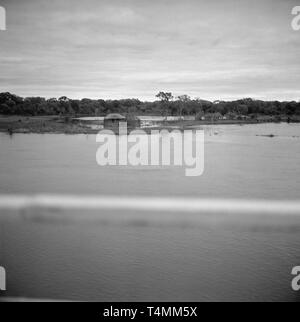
(216, 49)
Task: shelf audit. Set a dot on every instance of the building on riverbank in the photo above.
(116, 122)
(113, 121)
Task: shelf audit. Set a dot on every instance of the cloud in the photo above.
(133, 48)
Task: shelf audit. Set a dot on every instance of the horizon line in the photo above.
(154, 100)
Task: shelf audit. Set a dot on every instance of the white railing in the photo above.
(174, 205)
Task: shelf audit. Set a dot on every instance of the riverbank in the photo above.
(40, 124)
(67, 125)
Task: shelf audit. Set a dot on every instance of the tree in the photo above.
(183, 100)
(165, 97)
(65, 105)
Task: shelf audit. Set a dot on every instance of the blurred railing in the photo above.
(148, 248)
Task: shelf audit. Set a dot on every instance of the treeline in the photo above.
(165, 105)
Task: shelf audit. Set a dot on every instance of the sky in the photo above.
(112, 49)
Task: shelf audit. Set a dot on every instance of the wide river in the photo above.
(240, 162)
(53, 259)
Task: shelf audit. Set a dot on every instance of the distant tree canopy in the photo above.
(11, 104)
(164, 97)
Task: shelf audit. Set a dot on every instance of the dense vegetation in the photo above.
(166, 105)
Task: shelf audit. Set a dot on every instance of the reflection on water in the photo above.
(143, 261)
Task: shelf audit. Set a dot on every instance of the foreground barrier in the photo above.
(148, 249)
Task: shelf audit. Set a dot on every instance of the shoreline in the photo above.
(65, 125)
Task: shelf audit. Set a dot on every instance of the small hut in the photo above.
(114, 121)
(120, 124)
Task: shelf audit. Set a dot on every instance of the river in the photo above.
(54, 259)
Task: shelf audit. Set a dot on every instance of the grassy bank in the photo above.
(40, 124)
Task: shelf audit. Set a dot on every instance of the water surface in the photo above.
(49, 257)
(240, 162)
